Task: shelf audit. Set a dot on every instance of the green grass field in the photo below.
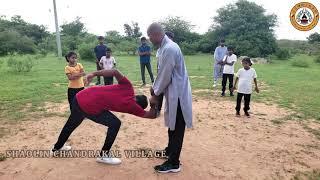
(292, 87)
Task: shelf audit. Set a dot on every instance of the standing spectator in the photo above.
(218, 56)
(74, 72)
(228, 70)
(144, 53)
(108, 62)
(245, 76)
(100, 50)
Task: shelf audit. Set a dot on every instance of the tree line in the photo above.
(243, 24)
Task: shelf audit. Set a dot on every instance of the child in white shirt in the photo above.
(245, 76)
(107, 62)
(228, 70)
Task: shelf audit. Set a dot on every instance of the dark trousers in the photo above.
(225, 77)
(160, 98)
(176, 138)
(71, 94)
(77, 116)
(142, 67)
(98, 69)
(247, 98)
(108, 80)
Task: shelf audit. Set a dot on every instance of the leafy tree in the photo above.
(133, 31)
(245, 26)
(136, 30)
(113, 37)
(13, 42)
(74, 28)
(72, 34)
(128, 46)
(181, 29)
(35, 32)
(314, 38)
(128, 30)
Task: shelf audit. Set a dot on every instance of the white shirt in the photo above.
(245, 80)
(173, 81)
(227, 69)
(108, 63)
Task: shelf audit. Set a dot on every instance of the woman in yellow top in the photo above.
(74, 72)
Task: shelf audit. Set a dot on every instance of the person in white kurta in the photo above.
(173, 81)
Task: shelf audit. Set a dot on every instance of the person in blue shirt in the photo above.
(144, 53)
(100, 51)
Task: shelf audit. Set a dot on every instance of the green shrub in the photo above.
(283, 54)
(1, 62)
(13, 42)
(300, 63)
(189, 48)
(39, 56)
(86, 51)
(43, 52)
(20, 65)
(317, 59)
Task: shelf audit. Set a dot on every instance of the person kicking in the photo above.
(95, 103)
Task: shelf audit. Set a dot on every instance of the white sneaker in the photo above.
(64, 148)
(214, 84)
(108, 160)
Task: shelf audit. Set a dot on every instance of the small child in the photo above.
(245, 76)
(228, 70)
(108, 62)
(74, 72)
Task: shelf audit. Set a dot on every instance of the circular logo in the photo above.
(304, 16)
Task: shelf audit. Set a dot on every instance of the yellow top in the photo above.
(77, 83)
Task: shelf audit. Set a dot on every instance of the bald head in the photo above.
(155, 28)
(155, 33)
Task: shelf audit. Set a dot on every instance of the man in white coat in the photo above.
(173, 81)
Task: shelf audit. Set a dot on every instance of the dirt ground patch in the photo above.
(219, 146)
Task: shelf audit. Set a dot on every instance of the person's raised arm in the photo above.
(105, 73)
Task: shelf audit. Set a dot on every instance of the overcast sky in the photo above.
(100, 16)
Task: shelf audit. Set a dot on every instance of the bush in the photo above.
(188, 48)
(39, 56)
(128, 46)
(43, 52)
(86, 51)
(300, 63)
(1, 62)
(12, 42)
(283, 54)
(20, 65)
(317, 59)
